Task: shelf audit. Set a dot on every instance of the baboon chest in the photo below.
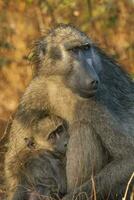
(85, 156)
(85, 151)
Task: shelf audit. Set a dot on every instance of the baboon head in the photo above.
(49, 134)
(69, 53)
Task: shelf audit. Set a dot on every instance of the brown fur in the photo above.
(43, 151)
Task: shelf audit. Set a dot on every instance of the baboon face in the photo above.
(59, 139)
(49, 136)
(71, 56)
(83, 78)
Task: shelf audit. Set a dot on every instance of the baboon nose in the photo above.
(94, 84)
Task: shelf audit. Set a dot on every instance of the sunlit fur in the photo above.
(106, 119)
(39, 168)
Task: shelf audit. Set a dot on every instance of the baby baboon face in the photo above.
(58, 139)
(51, 134)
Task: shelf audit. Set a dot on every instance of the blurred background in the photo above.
(109, 22)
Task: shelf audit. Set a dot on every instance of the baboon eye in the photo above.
(60, 129)
(75, 49)
(56, 133)
(86, 46)
(52, 136)
(82, 47)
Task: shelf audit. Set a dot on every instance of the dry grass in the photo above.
(127, 189)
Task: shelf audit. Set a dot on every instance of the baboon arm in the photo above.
(34, 102)
(117, 172)
(117, 143)
(119, 169)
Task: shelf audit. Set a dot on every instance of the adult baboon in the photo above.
(76, 80)
(39, 168)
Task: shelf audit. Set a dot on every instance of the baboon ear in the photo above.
(40, 48)
(29, 142)
(38, 53)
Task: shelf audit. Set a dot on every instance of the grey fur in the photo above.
(109, 114)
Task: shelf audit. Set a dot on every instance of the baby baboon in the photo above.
(40, 171)
(77, 81)
(49, 133)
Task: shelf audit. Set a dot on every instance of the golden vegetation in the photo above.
(110, 23)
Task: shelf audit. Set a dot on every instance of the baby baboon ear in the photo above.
(38, 53)
(30, 143)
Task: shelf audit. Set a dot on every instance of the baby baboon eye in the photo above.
(60, 129)
(56, 133)
(52, 135)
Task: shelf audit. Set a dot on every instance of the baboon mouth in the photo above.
(87, 93)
